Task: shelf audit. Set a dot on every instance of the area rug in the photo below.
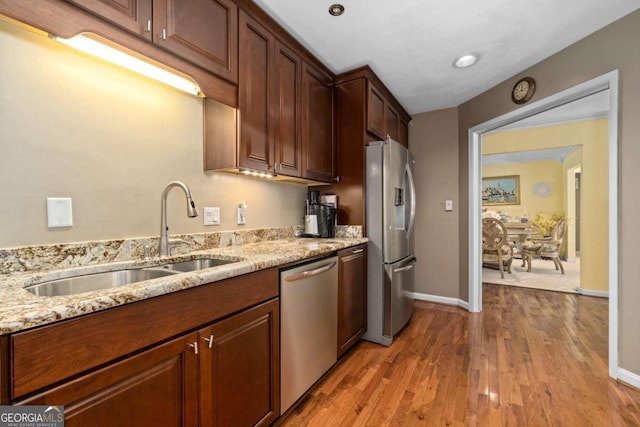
(543, 276)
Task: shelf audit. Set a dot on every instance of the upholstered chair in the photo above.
(546, 248)
(497, 250)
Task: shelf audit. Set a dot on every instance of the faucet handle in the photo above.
(176, 242)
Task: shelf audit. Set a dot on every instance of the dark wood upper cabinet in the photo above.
(366, 111)
(255, 95)
(403, 131)
(204, 32)
(392, 119)
(383, 118)
(287, 111)
(286, 108)
(376, 105)
(318, 158)
(132, 15)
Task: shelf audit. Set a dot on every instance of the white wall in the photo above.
(74, 126)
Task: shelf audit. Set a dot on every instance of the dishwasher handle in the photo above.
(310, 273)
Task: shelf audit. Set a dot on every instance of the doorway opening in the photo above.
(608, 82)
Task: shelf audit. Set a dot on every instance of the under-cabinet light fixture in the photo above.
(257, 173)
(118, 57)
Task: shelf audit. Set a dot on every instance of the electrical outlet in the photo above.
(211, 216)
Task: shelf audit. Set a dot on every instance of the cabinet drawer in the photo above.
(47, 355)
(129, 392)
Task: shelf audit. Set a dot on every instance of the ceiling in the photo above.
(558, 154)
(412, 44)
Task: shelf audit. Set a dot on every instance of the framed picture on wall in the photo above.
(501, 190)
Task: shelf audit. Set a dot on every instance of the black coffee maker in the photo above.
(323, 215)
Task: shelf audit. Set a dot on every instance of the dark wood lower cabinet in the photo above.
(240, 371)
(158, 387)
(352, 296)
(227, 374)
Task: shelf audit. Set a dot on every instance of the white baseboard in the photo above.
(590, 293)
(629, 377)
(441, 300)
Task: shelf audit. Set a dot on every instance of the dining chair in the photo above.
(546, 248)
(497, 250)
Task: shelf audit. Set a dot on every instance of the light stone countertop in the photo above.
(20, 310)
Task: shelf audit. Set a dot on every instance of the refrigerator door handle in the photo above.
(412, 208)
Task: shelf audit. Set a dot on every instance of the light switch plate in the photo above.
(242, 213)
(448, 205)
(211, 216)
(59, 212)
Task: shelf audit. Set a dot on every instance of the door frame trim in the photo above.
(607, 81)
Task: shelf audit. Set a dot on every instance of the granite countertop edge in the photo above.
(21, 310)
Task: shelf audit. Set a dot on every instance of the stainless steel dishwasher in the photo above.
(308, 326)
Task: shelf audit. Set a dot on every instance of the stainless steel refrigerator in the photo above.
(390, 218)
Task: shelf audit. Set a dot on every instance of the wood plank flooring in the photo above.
(531, 358)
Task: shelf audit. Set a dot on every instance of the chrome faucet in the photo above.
(165, 243)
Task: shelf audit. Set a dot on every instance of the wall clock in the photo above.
(542, 189)
(523, 90)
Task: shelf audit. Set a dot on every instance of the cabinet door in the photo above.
(240, 369)
(392, 118)
(257, 66)
(287, 112)
(375, 112)
(403, 132)
(158, 387)
(132, 15)
(203, 32)
(352, 296)
(318, 150)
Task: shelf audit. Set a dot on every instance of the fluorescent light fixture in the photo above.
(465, 61)
(118, 57)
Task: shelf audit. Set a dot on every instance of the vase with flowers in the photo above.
(545, 223)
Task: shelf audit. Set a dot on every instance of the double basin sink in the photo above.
(109, 279)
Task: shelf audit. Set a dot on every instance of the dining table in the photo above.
(519, 232)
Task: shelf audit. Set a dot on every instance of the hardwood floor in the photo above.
(532, 358)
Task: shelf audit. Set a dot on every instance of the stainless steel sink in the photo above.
(197, 264)
(97, 281)
(111, 279)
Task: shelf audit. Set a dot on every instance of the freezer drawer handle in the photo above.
(406, 267)
(310, 273)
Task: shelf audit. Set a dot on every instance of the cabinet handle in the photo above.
(357, 251)
(209, 340)
(194, 346)
(164, 34)
(148, 29)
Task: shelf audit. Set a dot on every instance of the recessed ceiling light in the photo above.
(336, 9)
(465, 61)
